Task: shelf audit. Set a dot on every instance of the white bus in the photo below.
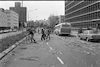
(63, 28)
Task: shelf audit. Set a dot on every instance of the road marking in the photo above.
(56, 55)
(47, 43)
(60, 52)
(15, 59)
(91, 65)
(53, 66)
(60, 60)
(86, 52)
(51, 48)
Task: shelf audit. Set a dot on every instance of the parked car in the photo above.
(89, 35)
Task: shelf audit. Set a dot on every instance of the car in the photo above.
(89, 35)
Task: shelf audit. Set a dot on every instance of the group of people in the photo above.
(45, 34)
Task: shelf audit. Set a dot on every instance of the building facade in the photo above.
(12, 19)
(61, 18)
(3, 17)
(3, 20)
(82, 13)
(22, 12)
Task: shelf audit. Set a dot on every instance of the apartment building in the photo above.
(82, 13)
(3, 17)
(61, 18)
(22, 12)
(12, 19)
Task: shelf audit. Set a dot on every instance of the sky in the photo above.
(38, 10)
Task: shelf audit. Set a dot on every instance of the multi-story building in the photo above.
(3, 21)
(21, 12)
(82, 13)
(12, 19)
(61, 18)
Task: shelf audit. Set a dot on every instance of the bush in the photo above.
(9, 41)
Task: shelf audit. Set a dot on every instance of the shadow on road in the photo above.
(64, 35)
(95, 41)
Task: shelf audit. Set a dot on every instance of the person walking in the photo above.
(32, 32)
(43, 36)
(28, 34)
(48, 34)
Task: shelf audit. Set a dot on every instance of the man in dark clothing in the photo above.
(48, 34)
(31, 32)
(43, 34)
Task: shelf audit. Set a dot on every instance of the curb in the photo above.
(5, 52)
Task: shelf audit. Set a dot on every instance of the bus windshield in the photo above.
(63, 28)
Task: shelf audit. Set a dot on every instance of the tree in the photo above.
(53, 20)
(30, 24)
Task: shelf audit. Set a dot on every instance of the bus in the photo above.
(63, 29)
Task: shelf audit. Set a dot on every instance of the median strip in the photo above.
(10, 48)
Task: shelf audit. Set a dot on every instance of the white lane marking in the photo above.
(60, 52)
(47, 43)
(15, 59)
(86, 52)
(53, 66)
(56, 55)
(60, 60)
(51, 48)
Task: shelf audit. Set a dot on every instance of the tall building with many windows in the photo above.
(22, 12)
(61, 18)
(82, 13)
(12, 19)
(8, 19)
(3, 17)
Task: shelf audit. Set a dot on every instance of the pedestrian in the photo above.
(43, 36)
(32, 32)
(28, 35)
(48, 34)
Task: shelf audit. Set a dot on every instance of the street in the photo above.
(79, 21)
(57, 52)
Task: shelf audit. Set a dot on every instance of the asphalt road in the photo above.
(57, 52)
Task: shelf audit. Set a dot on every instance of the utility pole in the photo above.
(23, 23)
(22, 3)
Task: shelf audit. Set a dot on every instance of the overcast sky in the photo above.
(37, 10)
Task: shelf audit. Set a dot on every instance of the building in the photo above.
(3, 21)
(22, 12)
(82, 13)
(12, 19)
(61, 18)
